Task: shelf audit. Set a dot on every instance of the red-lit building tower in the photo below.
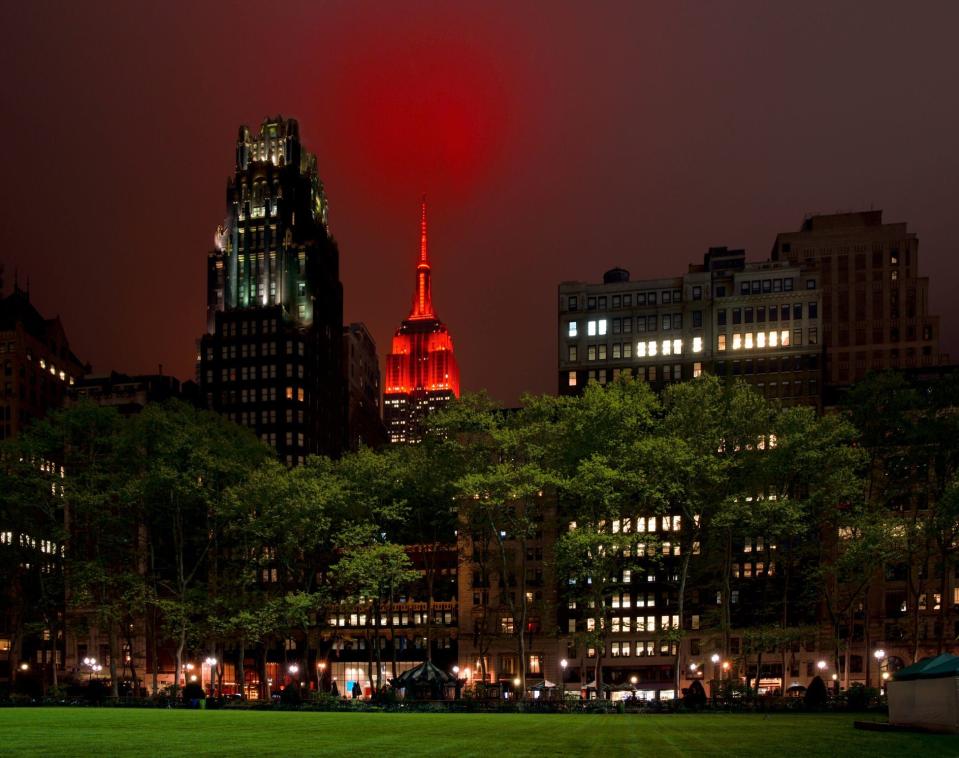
(421, 370)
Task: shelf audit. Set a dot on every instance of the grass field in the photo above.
(129, 732)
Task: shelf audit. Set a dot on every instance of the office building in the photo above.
(272, 355)
(875, 305)
(421, 370)
(757, 321)
(362, 365)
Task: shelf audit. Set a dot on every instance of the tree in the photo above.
(374, 575)
(190, 460)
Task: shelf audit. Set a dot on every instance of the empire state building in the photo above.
(421, 370)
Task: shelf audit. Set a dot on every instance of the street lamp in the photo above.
(293, 669)
(91, 663)
(211, 662)
(821, 665)
(456, 671)
(24, 666)
(321, 669)
(714, 658)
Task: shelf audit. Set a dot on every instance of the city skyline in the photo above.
(548, 154)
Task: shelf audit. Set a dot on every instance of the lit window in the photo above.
(651, 347)
(761, 339)
(677, 347)
(572, 329)
(697, 344)
(640, 349)
(591, 328)
(722, 342)
(784, 338)
(572, 378)
(602, 326)
(697, 370)
(773, 339)
(749, 341)
(737, 341)
(667, 347)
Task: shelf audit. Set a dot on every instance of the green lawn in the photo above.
(121, 732)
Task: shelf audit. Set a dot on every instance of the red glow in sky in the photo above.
(426, 110)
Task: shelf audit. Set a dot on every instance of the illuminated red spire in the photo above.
(421, 359)
(423, 296)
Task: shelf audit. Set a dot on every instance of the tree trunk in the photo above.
(240, 670)
(684, 572)
(370, 637)
(378, 619)
(114, 651)
(945, 604)
(727, 592)
(393, 637)
(265, 687)
(430, 571)
(178, 664)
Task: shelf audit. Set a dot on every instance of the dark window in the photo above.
(721, 317)
(761, 314)
(697, 293)
(797, 311)
(787, 285)
(698, 319)
(754, 287)
(720, 291)
(737, 315)
(572, 302)
(749, 315)
(785, 312)
(813, 310)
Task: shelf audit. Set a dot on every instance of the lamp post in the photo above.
(320, 670)
(211, 663)
(880, 656)
(562, 670)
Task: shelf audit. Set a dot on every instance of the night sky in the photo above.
(554, 140)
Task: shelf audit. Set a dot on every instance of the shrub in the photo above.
(695, 696)
(193, 691)
(817, 695)
(291, 694)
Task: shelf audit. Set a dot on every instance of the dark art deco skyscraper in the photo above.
(271, 358)
(421, 369)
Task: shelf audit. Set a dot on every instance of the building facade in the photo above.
(361, 362)
(421, 370)
(757, 321)
(130, 394)
(272, 356)
(875, 305)
(38, 365)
